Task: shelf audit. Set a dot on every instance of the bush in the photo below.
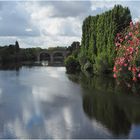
(127, 66)
(101, 64)
(72, 65)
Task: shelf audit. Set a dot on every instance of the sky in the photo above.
(37, 23)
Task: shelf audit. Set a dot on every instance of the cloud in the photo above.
(60, 26)
(67, 8)
(15, 20)
(55, 30)
(45, 15)
(51, 23)
(46, 41)
(105, 4)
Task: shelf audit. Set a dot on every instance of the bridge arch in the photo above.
(58, 57)
(44, 56)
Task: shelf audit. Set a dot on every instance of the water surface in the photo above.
(44, 102)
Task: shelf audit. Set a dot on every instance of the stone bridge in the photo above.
(54, 57)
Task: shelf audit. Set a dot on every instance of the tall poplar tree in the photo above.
(98, 35)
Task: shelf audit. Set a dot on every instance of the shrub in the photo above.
(127, 66)
(72, 64)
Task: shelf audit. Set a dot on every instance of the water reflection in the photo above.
(105, 102)
(12, 66)
(106, 111)
(41, 102)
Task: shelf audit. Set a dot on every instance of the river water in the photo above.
(45, 102)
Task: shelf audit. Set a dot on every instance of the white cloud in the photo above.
(46, 41)
(55, 31)
(50, 23)
(15, 20)
(102, 4)
(28, 30)
(39, 41)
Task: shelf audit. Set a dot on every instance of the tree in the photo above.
(98, 35)
(74, 48)
(17, 46)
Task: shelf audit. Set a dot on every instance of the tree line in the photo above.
(15, 54)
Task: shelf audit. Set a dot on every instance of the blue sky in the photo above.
(51, 23)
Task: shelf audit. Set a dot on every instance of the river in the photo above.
(45, 102)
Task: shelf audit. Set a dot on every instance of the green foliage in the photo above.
(101, 63)
(82, 58)
(9, 53)
(74, 49)
(14, 54)
(72, 64)
(29, 54)
(98, 35)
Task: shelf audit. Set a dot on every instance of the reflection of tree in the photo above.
(101, 83)
(103, 102)
(108, 84)
(74, 78)
(11, 66)
(106, 111)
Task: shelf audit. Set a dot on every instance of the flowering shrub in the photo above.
(127, 61)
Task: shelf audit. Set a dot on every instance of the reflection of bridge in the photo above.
(55, 57)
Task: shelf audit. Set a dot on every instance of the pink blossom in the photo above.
(129, 68)
(136, 32)
(139, 75)
(126, 36)
(134, 79)
(117, 44)
(131, 23)
(125, 64)
(127, 51)
(137, 25)
(130, 49)
(121, 40)
(134, 69)
(118, 34)
(130, 33)
(114, 69)
(115, 76)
